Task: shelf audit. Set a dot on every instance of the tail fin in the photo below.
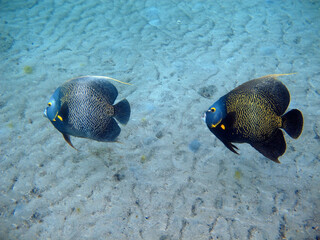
(292, 123)
(122, 111)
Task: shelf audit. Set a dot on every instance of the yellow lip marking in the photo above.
(214, 125)
(54, 119)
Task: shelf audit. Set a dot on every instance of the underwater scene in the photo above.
(138, 120)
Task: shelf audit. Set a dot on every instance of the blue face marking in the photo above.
(51, 111)
(215, 114)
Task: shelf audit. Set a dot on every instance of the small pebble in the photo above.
(208, 91)
(159, 134)
(194, 145)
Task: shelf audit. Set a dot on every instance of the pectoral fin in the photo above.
(64, 112)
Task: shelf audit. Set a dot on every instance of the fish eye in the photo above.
(49, 104)
(213, 109)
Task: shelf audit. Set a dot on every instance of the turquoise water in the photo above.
(168, 177)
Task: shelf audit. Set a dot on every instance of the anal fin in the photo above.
(110, 133)
(273, 148)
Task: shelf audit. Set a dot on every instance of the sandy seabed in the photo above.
(180, 57)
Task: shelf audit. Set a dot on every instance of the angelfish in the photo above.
(254, 113)
(84, 107)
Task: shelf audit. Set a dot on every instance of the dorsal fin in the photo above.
(276, 75)
(102, 77)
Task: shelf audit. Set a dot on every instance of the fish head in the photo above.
(215, 114)
(53, 106)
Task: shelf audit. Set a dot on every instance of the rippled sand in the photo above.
(180, 58)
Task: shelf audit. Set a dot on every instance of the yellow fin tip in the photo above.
(277, 75)
(110, 78)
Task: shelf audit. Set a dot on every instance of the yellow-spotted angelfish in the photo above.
(254, 113)
(84, 107)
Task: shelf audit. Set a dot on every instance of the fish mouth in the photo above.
(45, 113)
(203, 117)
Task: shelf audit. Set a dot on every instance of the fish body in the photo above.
(84, 107)
(254, 113)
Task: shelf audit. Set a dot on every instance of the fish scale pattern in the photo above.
(255, 117)
(88, 110)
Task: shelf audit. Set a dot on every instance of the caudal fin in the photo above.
(292, 123)
(122, 111)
